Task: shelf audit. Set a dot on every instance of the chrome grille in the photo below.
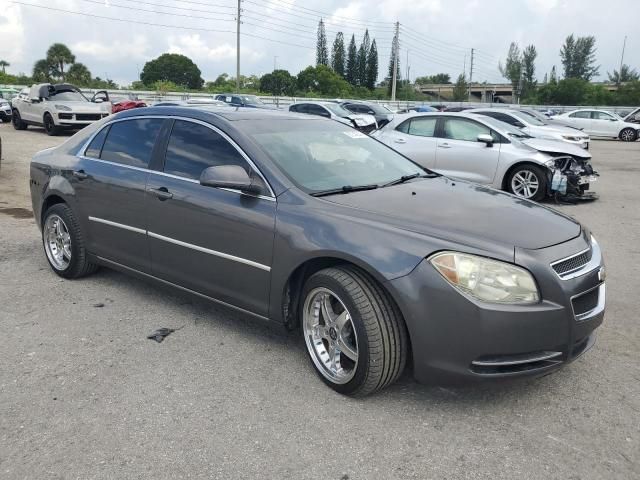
(570, 264)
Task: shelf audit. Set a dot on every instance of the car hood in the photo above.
(561, 129)
(462, 212)
(85, 107)
(556, 146)
(362, 119)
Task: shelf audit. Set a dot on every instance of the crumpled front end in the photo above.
(570, 178)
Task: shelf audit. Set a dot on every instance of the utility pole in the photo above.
(624, 44)
(275, 59)
(470, 74)
(238, 48)
(395, 62)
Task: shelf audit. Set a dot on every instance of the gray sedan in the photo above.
(313, 225)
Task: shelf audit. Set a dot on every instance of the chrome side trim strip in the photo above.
(184, 289)
(118, 225)
(595, 262)
(251, 263)
(540, 358)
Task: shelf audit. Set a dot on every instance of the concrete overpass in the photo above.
(481, 92)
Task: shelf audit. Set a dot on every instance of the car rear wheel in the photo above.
(64, 244)
(528, 181)
(49, 125)
(16, 119)
(353, 331)
(628, 135)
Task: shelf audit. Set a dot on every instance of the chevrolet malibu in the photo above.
(311, 224)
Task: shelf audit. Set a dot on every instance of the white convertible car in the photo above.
(56, 107)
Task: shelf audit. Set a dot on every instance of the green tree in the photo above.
(361, 60)
(322, 80)
(41, 71)
(394, 50)
(338, 55)
(629, 93)
(529, 81)
(372, 66)
(460, 89)
(322, 55)
(4, 64)
(58, 56)
(351, 74)
(79, 74)
(512, 68)
(579, 57)
(553, 76)
(278, 82)
(626, 74)
(172, 67)
(437, 79)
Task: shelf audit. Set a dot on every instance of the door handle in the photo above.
(162, 193)
(80, 174)
(400, 140)
(444, 145)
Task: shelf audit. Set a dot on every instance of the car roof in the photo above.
(315, 102)
(227, 113)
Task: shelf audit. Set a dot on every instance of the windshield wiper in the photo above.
(344, 189)
(406, 178)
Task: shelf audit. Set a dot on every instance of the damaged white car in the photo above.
(483, 150)
(360, 121)
(56, 107)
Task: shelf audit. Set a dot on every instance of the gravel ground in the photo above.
(84, 394)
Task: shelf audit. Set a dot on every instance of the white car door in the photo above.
(581, 120)
(605, 124)
(415, 138)
(460, 155)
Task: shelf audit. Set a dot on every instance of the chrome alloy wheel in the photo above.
(525, 184)
(627, 135)
(330, 335)
(57, 242)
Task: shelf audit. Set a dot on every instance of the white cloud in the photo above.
(135, 48)
(195, 47)
(11, 32)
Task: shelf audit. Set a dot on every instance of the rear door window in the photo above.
(131, 142)
(193, 147)
(580, 115)
(423, 127)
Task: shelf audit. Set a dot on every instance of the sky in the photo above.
(435, 35)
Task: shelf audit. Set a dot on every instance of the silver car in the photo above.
(601, 123)
(533, 126)
(363, 122)
(484, 150)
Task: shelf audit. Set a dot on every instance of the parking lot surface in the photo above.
(84, 393)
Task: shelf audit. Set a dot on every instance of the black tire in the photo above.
(49, 125)
(16, 119)
(79, 264)
(382, 340)
(628, 135)
(540, 175)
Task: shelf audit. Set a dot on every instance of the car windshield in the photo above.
(505, 128)
(527, 118)
(535, 115)
(320, 155)
(379, 109)
(337, 109)
(252, 100)
(68, 96)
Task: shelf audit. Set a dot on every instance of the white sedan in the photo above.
(600, 123)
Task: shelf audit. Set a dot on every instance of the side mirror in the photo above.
(98, 100)
(228, 176)
(485, 138)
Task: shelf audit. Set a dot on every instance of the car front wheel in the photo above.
(64, 243)
(16, 119)
(528, 181)
(49, 125)
(628, 135)
(353, 331)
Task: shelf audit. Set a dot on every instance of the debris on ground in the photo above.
(98, 305)
(160, 334)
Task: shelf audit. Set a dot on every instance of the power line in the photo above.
(174, 14)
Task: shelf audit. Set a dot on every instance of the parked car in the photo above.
(633, 117)
(56, 107)
(118, 103)
(533, 126)
(241, 100)
(600, 123)
(363, 122)
(382, 114)
(456, 109)
(5, 110)
(319, 227)
(193, 102)
(484, 150)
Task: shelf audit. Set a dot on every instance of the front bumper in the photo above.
(457, 339)
(5, 113)
(79, 120)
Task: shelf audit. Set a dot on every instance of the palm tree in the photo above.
(58, 55)
(4, 64)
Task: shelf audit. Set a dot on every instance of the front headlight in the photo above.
(63, 108)
(485, 279)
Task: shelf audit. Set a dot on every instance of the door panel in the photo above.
(581, 120)
(415, 139)
(460, 155)
(604, 124)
